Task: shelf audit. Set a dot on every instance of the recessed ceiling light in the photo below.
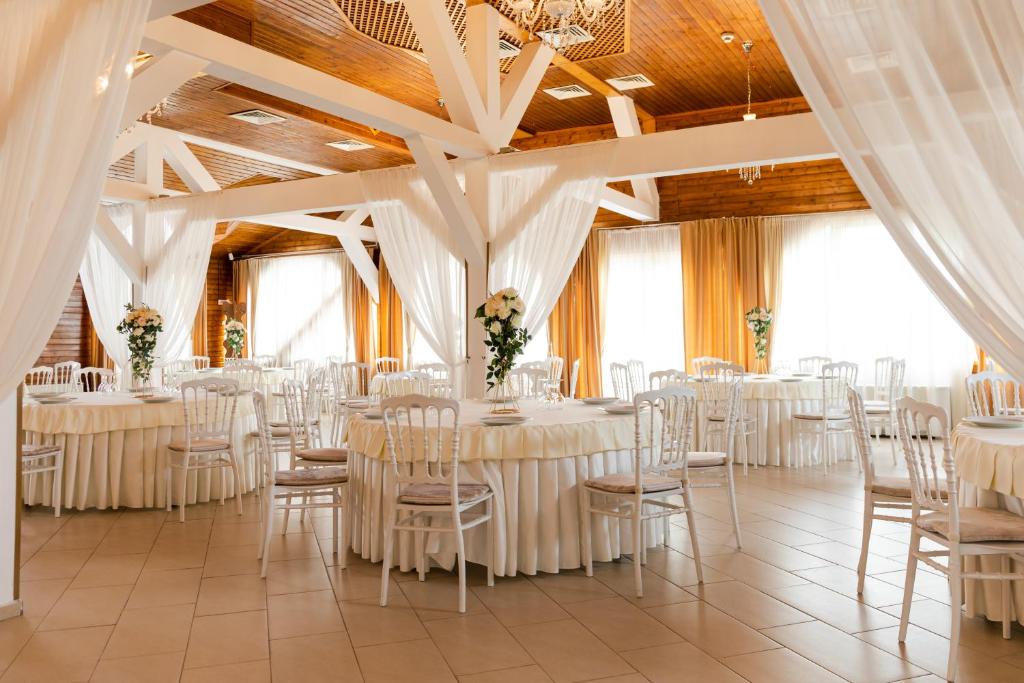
(258, 117)
(728, 37)
(567, 92)
(630, 82)
(350, 145)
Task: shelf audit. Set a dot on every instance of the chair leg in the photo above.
(334, 521)
(732, 505)
(824, 444)
(491, 527)
(1005, 568)
(420, 542)
(862, 564)
(184, 487)
(268, 532)
(691, 525)
(638, 544)
(343, 532)
(389, 543)
(460, 544)
(908, 585)
(167, 481)
(956, 586)
(236, 470)
(743, 445)
(58, 484)
(588, 551)
(892, 437)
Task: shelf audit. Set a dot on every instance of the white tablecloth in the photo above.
(115, 449)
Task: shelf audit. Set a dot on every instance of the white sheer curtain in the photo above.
(848, 293)
(107, 289)
(302, 309)
(179, 235)
(923, 100)
(642, 293)
(418, 246)
(63, 81)
(542, 207)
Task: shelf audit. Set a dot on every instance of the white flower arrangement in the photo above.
(234, 336)
(502, 317)
(759, 320)
(141, 325)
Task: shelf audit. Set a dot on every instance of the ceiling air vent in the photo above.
(350, 145)
(573, 35)
(630, 82)
(507, 49)
(258, 117)
(567, 92)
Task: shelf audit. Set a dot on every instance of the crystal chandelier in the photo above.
(749, 172)
(555, 17)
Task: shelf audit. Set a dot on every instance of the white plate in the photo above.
(620, 409)
(158, 399)
(803, 374)
(995, 422)
(47, 394)
(790, 379)
(503, 420)
(55, 400)
(599, 400)
(375, 415)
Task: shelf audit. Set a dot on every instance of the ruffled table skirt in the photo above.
(984, 598)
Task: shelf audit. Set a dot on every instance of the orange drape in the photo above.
(389, 317)
(574, 327)
(360, 305)
(730, 265)
(199, 329)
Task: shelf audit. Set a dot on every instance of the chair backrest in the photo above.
(574, 376)
(248, 374)
(228, 363)
(659, 379)
(438, 371)
(264, 361)
(301, 369)
(201, 362)
(861, 435)
(297, 400)
(664, 429)
(528, 382)
(94, 379)
(717, 382)
(351, 380)
(422, 435)
(620, 382)
(637, 376)
(835, 379)
(555, 366)
(923, 431)
(994, 393)
(701, 361)
(39, 375)
(388, 364)
(209, 406)
(264, 434)
(64, 373)
(889, 374)
(406, 383)
(812, 363)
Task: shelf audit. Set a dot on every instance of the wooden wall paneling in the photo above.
(70, 338)
(218, 286)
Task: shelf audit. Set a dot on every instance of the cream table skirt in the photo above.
(115, 450)
(533, 469)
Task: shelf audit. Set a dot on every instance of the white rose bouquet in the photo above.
(234, 336)
(502, 317)
(141, 325)
(759, 320)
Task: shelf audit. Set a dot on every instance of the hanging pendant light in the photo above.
(750, 172)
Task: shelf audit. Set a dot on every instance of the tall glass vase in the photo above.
(503, 397)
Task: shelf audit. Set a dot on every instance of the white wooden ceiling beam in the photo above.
(631, 207)
(238, 62)
(627, 124)
(520, 86)
(317, 224)
(188, 167)
(149, 165)
(482, 36)
(161, 8)
(356, 251)
(119, 247)
(253, 154)
(451, 200)
(157, 79)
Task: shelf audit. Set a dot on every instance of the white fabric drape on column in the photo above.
(419, 250)
(542, 207)
(923, 101)
(179, 236)
(63, 81)
(107, 289)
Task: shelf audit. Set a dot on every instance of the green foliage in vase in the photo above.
(502, 318)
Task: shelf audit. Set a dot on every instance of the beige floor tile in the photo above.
(877, 593)
(779, 666)
(975, 632)
(926, 584)
(303, 614)
(150, 631)
(165, 668)
(844, 613)
(779, 555)
(14, 633)
(621, 625)
(754, 608)
(293, 547)
(680, 569)
(357, 581)
(325, 657)
(223, 594)
(849, 557)
(81, 607)
(227, 639)
(752, 571)
(782, 533)
(128, 540)
(476, 643)
(370, 624)
(249, 672)
(657, 591)
(517, 601)
(569, 652)
(173, 587)
(176, 556)
(232, 560)
(76, 537)
(438, 597)
(297, 576)
(843, 654)
(110, 570)
(67, 655)
(245, 533)
(569, 587)
(37, 597)
(679, 663)
(523, 674)
(710, 629)
(57, 564)
(417, 660)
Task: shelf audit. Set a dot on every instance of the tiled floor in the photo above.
(136, 596)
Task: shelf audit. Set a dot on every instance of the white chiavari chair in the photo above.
(422, 492)
(716, 391)
(94, 379)
(994, 393)
(880, 493)
(229, 362)
(709, 469)
(574, 376)
(38, 459)
(264, 361)
(620, 382)
(39, 375)
(923, 431)
(660, 379)
(555, 368)
(660, 459)
(386, 364)
(64, 375)
(351, 387)
(834, 418)
(317, 487)
(209, 406)
(637, 377)
(701, 361)
(302, 368)
(881, 410)
(528, 382)
(406, 383)
(249, 376)
(202, 362)
(812, 364)
(440, 379)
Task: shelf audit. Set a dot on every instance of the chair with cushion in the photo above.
(881, 410)
(351, 386)
(812, 364)
(302, 407)
(923, 430)
(880, 493)
(209, 405)
(94, 379)
(38, 459)
(657, 488)
(426, 495)
(832, 420)
(716, 391)
(994, 393)
(621, 388)
(713, 469)
(659, 379)
(637, 376)
(39, 375)
(302, 368)
(528, 382)
(64, 375)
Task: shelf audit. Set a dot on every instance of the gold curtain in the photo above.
(574, 327)
(96, 355)
(359, 312)
(730, 265)
(389, 317)
(199, 328)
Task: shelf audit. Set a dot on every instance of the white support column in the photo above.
(9, 504)
(482, 23)
(126, 256)
(627, 124)
(520, 86)
(157, 79)
(356, 251)
(478, 194)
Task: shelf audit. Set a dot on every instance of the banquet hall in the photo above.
(512, 340)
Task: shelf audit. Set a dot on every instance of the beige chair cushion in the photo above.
(317, 476)
(876, 407)
(323, 454)
(284, 423)
(704, 459)
(200, 445)
(838, 415)
(626, 483)
(38, 450)
(977, 525)
(891, 486)
(275, 432)
(441, 494)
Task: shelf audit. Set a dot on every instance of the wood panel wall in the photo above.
(218, 286)
(70, 339)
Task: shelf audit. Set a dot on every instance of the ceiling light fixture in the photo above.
(749, 172)
(552, 20)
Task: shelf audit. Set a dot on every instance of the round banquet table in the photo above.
(115, 449)
(990, 463)
(533, 469)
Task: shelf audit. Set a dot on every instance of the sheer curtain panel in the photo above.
(63, 81)
(922, 98)
(107, 289)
